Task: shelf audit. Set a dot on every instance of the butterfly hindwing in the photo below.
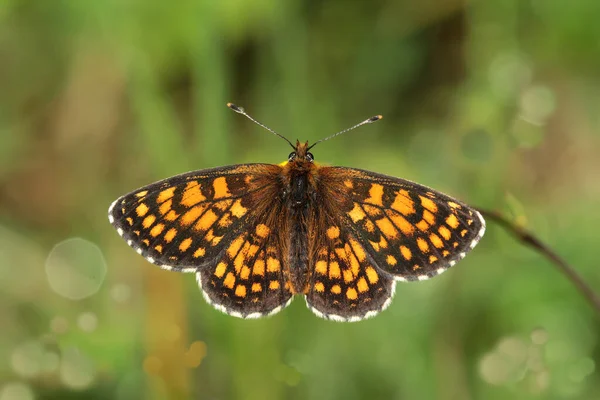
(344, 282)
(249, 280)
(410, 230)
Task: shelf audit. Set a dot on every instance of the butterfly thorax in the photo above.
(298, 176)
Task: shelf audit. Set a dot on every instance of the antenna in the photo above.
(240, 110)
(366, 121)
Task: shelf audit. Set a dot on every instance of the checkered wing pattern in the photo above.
(345, 283)
(406, 230)
(214, 223)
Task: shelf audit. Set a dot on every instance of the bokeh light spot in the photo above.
(537, 104)
(152, 365)
(508, 73)
(87, 321)
(27, 359)
(196, 353)
(75, 268)
(120, 292)
(16, 391)
(76, 369)
(59, 325)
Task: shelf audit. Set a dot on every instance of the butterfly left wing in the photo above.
(219, 223)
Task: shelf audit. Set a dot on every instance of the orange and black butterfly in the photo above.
(256, 235)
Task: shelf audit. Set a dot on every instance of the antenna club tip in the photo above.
(376, 118)
(235, 108)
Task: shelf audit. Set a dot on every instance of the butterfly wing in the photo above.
(411, 231)
(212, 222)
(345, 283)
(375, 229)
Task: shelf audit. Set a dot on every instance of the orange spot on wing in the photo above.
(362, 285)
(358, 250)
(165, 207)
(273, 264)
(391, 260)
(170, 235)
(240, 291)
(428, 204)
(262, 230)
(403, 203)
(351, 294)
(452, 221)
(157, 229)
(432, 259)
(245, 272)
(406, 253)
(192, 195)
(165, 195)
(141, 194)
(192, 215)
(333, 232)
(321, 267)
(229, 280)
(220, 269)
(406, 227)
(273, 285)
(258, 268)
(221, 188)
(356, 214)
(435, 239)
(387, 228)
(158, 248)
(237, 210)
(445, 232)
(171, 216)
(235, 246)
(334, 270)
(372, 275)
(256, 287)
(336, 289)
(200, 251)
(423, 225)
(185, 244)
(149, 220)
(319, 287)
(141, 209)
(423, 246)
(207, 220)
(348, 277)
(429, 217)
(375, 195)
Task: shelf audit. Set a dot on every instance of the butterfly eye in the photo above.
(292, 156)
(310, 157)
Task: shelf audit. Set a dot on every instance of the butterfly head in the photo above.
(301, 153)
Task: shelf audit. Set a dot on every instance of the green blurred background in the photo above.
(495, 102)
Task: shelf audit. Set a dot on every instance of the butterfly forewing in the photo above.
(410, 231)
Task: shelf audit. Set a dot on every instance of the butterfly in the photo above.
(256, 235)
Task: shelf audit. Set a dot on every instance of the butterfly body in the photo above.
(256, 235)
